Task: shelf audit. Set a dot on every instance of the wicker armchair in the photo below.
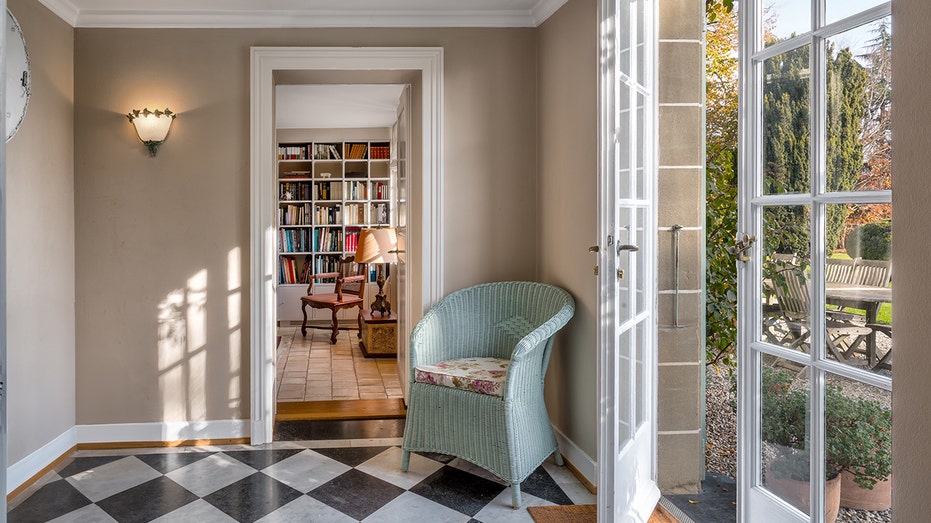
(477, 362)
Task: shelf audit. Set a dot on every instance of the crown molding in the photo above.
(545, 9)
(157, 18)
(64, 9)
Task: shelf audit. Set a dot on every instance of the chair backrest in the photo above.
(792, 294)
(784, 257)
(875, 273)
(352, 277)
(837, 270)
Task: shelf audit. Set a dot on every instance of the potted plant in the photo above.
(857, 444)
(784, 429)
(859, 441)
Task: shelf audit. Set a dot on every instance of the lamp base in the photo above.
(381, 304)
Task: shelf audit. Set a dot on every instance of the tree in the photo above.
(721, 183)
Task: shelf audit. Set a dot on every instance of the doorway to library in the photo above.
(341, 171)
(315, 190)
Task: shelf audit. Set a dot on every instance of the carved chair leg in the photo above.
(359, 319)
(335, 328)
(304, 325)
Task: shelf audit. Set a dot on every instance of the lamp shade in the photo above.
(151, 126)
(377, 246)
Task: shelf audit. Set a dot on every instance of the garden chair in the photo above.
(838, 270)
(477, 362)
(874, 273)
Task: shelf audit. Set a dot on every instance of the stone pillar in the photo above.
(681, 207)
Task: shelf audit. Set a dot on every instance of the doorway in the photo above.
(422, 68)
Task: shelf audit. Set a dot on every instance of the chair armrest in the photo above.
(320, 276)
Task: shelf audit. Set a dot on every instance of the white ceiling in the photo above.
(336, 106)
(303, 13)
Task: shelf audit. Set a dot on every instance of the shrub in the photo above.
(870, 241)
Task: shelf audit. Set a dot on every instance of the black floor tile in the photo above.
(352, 456)
(52, 500)
(540, 484)
(166, 463)
(260, 459)
(338, 429)
(79, 465)
(252, 498)
(147, 501)
(716, 502)
(458, 490)
(356, 494)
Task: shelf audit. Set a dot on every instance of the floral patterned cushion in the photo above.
(481, 375)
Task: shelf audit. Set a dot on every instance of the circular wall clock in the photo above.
(18, 79)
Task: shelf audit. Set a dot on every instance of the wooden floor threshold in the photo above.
(340, 409)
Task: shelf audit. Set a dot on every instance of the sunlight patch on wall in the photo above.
(234, 315)
(182, 357)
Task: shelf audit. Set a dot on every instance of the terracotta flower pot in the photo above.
(797, 493)
(856, 497)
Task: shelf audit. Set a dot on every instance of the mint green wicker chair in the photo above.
(495, 416)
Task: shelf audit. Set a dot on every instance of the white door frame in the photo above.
(627, 489)
(426, 245)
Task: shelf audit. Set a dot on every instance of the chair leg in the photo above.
(359, 319)
(304, 325)
(335, 328)
(405, 460)
(557, 457)
(515, 495)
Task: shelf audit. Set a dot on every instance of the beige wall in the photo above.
(40, 241)
(567, 187)
(162, 243)
(911, 401)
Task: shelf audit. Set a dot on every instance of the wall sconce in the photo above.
(151, 126)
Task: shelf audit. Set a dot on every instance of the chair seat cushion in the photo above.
(330, 298)
(481, 375)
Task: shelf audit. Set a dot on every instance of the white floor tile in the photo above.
(102, 482)
(304, 509)
(501, 511)
(88, 514)
(199, 511)
(210, 474)
(410, 507)
(387, 466)
(306, 470)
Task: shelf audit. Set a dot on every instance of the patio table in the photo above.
(862, 297)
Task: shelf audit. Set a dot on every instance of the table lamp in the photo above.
(378, 246)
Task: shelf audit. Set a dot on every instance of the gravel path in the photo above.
(721, 444)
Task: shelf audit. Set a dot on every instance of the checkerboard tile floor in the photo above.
(327, 481)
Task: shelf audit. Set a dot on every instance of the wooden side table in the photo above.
(379, 335)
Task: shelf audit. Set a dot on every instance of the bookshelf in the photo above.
(327, 192)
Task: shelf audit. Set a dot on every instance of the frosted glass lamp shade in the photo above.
(151, 126)
(377, 246)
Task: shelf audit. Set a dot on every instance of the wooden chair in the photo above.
(837, 270)
(875, 273)
(349, 293)
(841, 338)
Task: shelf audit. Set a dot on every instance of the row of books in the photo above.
(294, 240)
(355, 214)
(329, 190)
(326, 151)
(358, 191)
(294, 191)
(355, 151)
(329, 215)
(292, 152)
(290, 274)
(295, 214)
(380, 190)
(380, 152)
(328, 240)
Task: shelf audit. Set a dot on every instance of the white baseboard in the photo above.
(162, 431)
(24, 469)
(579, 459)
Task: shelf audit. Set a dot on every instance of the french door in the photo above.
(814, 264)
(400, 181)
(627, 488)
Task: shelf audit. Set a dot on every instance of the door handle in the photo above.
(594, 248)
(627, 247)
